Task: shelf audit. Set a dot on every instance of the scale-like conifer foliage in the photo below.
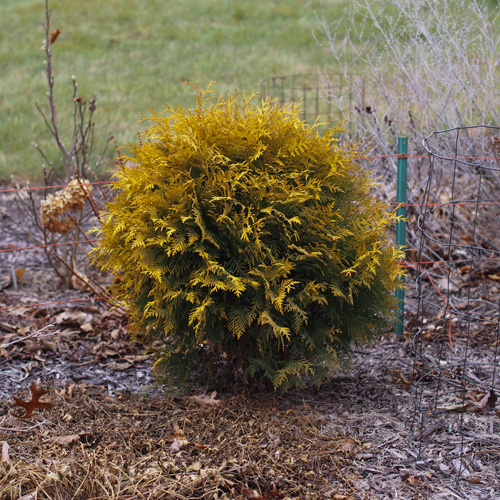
(248, 245)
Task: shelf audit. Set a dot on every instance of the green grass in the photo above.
(140, 53)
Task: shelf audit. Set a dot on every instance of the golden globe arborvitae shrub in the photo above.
(250, 246)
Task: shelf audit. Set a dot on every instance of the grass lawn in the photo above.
(140, 53)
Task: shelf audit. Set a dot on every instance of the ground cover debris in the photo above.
(92, 445)
(111, 430)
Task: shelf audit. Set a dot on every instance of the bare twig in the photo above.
(23, 429)
(37, 334)
(76, 157)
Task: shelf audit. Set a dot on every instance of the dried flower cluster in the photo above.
(53, 210)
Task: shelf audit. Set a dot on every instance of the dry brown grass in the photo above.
(131, 447)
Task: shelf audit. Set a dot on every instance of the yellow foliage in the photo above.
(248, 243)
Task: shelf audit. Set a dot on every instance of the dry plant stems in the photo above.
(78, 154)
(37, 334)
(412, 68)
(63, 217)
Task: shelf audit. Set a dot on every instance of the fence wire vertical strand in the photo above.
(316, 97)
(417, 421)
(467, 341)
(448, 321)
(497, 342)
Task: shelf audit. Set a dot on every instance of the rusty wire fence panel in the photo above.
(455, 336)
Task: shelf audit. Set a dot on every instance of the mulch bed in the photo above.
(117, 435)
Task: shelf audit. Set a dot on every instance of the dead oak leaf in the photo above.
(488, 402)
(67, 440)
(30, 406)
(206, 399)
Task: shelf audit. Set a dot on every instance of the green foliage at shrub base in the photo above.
(248, 244)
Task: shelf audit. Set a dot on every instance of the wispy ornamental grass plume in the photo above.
(413, 67)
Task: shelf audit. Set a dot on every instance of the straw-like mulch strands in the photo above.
(93, 446)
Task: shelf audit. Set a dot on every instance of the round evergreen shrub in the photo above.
(251, 247)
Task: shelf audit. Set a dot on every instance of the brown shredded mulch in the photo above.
(93, 446)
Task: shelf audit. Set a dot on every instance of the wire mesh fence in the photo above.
(452, 330)
(311, 91)
(455, 334)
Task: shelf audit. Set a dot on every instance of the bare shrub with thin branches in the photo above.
(67, 211)
(414, 67)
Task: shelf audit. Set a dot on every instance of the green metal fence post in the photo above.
(401, 224)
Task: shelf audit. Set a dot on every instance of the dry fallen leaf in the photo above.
(119, 367)
(429, 430)
(488, 402)
(115, 334)
(413, 480)
(54, 35)
(49, 345)
(80, 282)
(175, 446)
(137, 358)
(349, 446)
(473, 480)
(206, 399)
(63, 440)
(474, 394)
(248, 493)
(195, 466)
(73, 316)
(275, 492)
(468, 408)
(335, 496)
(45, 461)
(35, 402)
(398, 375)
(180, 438)
(71, 390)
